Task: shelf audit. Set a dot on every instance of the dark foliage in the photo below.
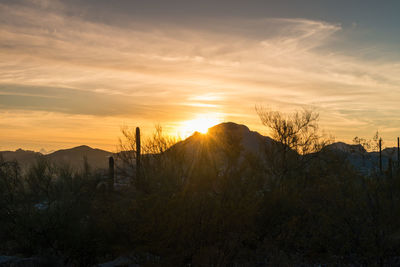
(203, 214)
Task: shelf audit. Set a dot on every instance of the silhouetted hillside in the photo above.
(24, 157)
(73, 157)
(221, 141)
(227, 139)
(365, 162)
(96, 158)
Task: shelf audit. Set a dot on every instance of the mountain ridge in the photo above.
(227, 133)
(74, 157)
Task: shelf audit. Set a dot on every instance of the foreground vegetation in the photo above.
(309, 207)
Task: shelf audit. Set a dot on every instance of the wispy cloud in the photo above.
(54, 61)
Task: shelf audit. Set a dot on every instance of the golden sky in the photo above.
(68, 77)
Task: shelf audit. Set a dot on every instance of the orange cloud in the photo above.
(146, 74)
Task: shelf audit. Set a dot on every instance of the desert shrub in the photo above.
(204, 214)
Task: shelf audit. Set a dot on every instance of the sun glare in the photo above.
(200, 124)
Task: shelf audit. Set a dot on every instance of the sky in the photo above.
(76, 72)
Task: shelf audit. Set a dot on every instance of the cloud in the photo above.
(54, 60)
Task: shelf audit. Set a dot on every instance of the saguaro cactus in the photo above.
(138, 154)
(380, 155)
(398, 151)
(111, 172)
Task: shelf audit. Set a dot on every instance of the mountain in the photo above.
(364, 161)
(225, 141)
(340, 146)
(24, 157)
(230, 139)
(73, 157)
(238, 134)
(96, 158)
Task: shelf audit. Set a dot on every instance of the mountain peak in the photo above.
(82, 147)
(229, 126)
(348, 148)
(223, 136)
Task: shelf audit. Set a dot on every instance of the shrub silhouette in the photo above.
(199, 213)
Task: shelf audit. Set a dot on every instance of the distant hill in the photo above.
(73, 157)
(24, 157)
(364, 161)
(340, 146)
(96, 158)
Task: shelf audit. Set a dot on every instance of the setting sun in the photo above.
(200, 124)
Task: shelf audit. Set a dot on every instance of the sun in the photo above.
(200, 124)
